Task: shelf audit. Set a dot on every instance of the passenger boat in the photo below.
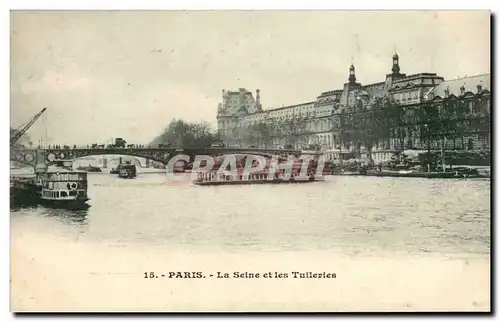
(268, 175)
(213, 178)
(64, 188)
(127, 171)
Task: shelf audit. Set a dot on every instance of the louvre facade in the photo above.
(404, 112)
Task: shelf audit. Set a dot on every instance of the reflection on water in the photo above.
(78, 217)
(350, 213)
(65, 216)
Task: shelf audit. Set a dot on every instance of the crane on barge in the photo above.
(19, 132)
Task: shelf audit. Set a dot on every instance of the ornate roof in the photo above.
(455, 86)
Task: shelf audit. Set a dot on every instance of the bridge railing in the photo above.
(149, 147)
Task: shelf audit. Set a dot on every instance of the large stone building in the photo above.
(319, 124)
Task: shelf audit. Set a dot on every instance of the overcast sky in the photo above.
(127, 74)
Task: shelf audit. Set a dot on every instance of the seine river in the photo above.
(392, 244)
(349, 214)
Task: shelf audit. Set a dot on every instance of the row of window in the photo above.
(61, 194)
(461, 143)
(318, 127)
(456, 144)
(326, 122)
(63, 185)
(411, 142)
(303, 110)
(66, 177)
(407, 96)
(471, 107)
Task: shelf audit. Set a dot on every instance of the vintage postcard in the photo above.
(250, 161)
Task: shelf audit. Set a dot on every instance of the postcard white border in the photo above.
(193, 5)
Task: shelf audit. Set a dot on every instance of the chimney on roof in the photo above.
(462, 89)
(257, 99)
(479, 88)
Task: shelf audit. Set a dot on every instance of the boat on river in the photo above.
(127, 171)
(212, 178)
(457, 173)
(270, 173)
(63, 188)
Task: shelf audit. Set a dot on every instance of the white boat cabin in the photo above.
(62, 184)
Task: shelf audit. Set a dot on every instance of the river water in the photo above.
(344, 217)
(349, 213)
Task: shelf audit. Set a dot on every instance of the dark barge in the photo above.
(458, 173)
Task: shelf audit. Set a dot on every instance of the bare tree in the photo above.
(182, 134)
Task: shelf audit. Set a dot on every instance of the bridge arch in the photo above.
(137, 162)
(28, 158)
(75, 154)
(115, 159)
(161, 155)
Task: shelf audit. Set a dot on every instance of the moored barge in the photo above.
(24, 190)
(458, 173)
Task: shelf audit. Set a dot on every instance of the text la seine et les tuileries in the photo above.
(277, 275)
(240, 275)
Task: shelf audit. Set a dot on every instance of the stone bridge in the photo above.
(34, 157)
